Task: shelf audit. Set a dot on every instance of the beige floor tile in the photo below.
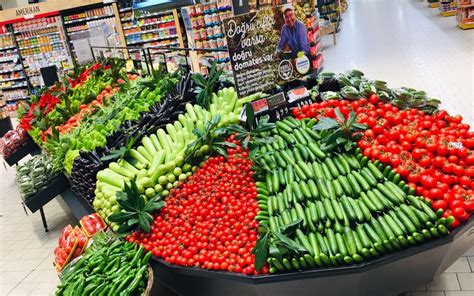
(43, 289)
(42, 276)
(39, 253)
(46, 264)
(466, 280)
(23, 289)
(470, 252)
(459, 293)
(446, 281)
(5, 288)
(21, 265)
(461, 265)
(12, 277)
(471, 262)
(428, 293)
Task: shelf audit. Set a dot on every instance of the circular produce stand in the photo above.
(390, 275)
(338, 186)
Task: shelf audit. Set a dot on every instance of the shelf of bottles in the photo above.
(88, 23)
(330, 10)
(42, 43)
(13, 81)
(207, 33)
(314, 34)
(147, 30)
(465, 14)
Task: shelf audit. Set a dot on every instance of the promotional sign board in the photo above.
(267, 47)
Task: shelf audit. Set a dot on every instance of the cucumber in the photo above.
(317, 151)
(326, 171)
(411, 215)
(337, 187)
(300, 173)
(397, 221)
(290, 174)
(350, 241)
(299, 137)
(364, 238)
(387, 193)
(358, 212)
(354, 184)
(310, 261)
(331, 237)
(337, 209)
(313, 188)
(422, 217)
(280, 160)
(340, 167)
(309, 219)
(368, 202)
(341, 245)
(415, 202)
(303, 151)
(281, 176)
(305, 190)
(286, 218)
(329, 210)
(364, 209)
(318, 171)
(330, 188)
(280, 203)
(321, 210)
(374, 238)
(365, 172)
(322, 243)
(304, 241)
(314, 244)
(313, 212)
(332, 167)
(352, 161)
(288, 138)
(269, 181)
(301, 214)
(297, 191)
(275, 182)
(406, 221)
(375, 171)
(306, 170)
(431, 214)
(375, 201)
(393, 225)
(348, 209)
(321, 184)
(345, 185)
(295, 264)
(344, 163)
(283, 126)
(294, 215)
(286, 156)
(362, 182)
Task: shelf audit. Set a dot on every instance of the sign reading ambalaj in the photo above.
(28, 10)
(267, 47)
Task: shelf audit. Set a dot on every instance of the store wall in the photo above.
(6, 4)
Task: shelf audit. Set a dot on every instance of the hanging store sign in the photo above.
(267, 47)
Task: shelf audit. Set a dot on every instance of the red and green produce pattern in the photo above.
(323, 208)
(432, 153)
(209, 220)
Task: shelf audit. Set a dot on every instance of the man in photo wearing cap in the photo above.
(294, 36)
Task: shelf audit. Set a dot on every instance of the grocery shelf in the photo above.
(10, 71)
(434, 5)
(150, 31)
(35, 29)
(39, 35)
(13, 87)
(148, 24)
(88, 19)
(6, 34)
(7, 48)
(8, 60)
(147, 16)
(41, 53)
(125, 9)
(154, 39)
(12, 79)
(41, 44)
(18, 99)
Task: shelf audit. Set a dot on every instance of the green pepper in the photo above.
(146, 258)
(137, 279)
(123, 284)
(137, 256)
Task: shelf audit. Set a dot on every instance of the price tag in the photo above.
(298, 94)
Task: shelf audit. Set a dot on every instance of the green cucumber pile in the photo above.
(351, 210)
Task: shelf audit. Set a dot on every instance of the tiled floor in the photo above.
(400, 41)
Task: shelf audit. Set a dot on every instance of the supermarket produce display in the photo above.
(359, 179)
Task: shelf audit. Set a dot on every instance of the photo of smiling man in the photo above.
(294, 35)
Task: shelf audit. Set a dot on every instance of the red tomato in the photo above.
(439, 204)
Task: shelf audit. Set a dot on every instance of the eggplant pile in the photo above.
(89, 163)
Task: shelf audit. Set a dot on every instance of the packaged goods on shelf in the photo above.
(465, 14)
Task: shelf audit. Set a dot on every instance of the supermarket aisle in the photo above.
(26, 266)
(407, 44)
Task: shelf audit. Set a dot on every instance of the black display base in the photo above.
(29, 148)
(78, 205)
(391, 275)
(37, 201)
(5, 126)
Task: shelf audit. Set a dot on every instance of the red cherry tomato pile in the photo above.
(434, 153)
(208, 221)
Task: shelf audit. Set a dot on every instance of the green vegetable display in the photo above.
(35, 175)
(114, 268)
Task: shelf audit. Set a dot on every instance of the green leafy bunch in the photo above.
(277, 244)
(205, 86)
(340, 132)
(137, 212)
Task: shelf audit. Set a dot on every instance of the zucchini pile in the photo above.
(352, 210)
